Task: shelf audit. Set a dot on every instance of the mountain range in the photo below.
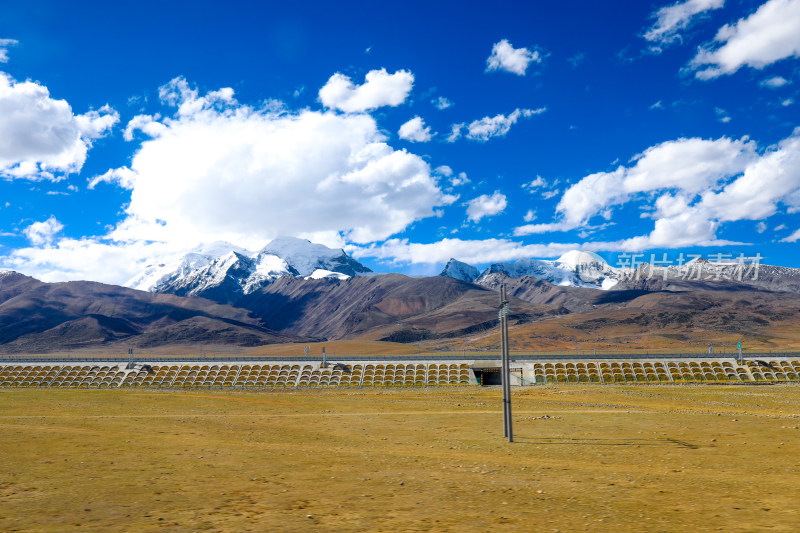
(225, 273)
(295, 291)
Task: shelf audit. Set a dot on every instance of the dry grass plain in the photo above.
(587, 458)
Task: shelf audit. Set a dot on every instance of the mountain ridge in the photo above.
(226, 273)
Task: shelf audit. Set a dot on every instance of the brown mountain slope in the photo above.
(41, 317)
(389, 307)
(668, 320)
(444, 313)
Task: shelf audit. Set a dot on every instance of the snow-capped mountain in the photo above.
(574, 268)
(587, 269)
(733, 271)
(224, 272)
(155, 276)
(458, 270)
(306, 257)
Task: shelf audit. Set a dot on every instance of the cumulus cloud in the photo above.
(514, 60)
(697, 186)
(40, 137)
(221, 170)
(379, 89)
(41, 233)
(673, 19)
(488, 127)
(415, 131)
(486, 205)
(4, 44)
(766, 36)
(691, 165)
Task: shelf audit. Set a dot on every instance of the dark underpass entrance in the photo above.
(493, 376)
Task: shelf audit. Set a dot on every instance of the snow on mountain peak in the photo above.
(574, 258)
(225, 272)
(574, 268)
(218, 249)
(302, 254)
(321, 273)
(459, 270)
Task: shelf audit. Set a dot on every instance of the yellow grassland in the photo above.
(587, 458)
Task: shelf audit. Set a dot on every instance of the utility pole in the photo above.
(505, 369)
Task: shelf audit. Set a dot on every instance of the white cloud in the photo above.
(415, 131)
(147, 124)
(461, 179)
(380, 89)
(657, 105)
(691, 165)
(535, 229)
(470, 251)
(550, 194)
(514, 60)
(444, 170)
(41, 233)
(486, 205)
(671, 20)
(123, 176)
(794, 237)
(40, 137)
(4, 44)
(701, 185)
(722, 115)
(530, 216)
(220, 170)
(787, 102)
(761, 227)
(497, 126)
(441, 103)
(774, 82)
(96, 124)
(766, 36)
(535, 183)
(95, 259)
(771, 178)
(455, 132)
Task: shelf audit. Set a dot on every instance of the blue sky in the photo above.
(130, 133)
